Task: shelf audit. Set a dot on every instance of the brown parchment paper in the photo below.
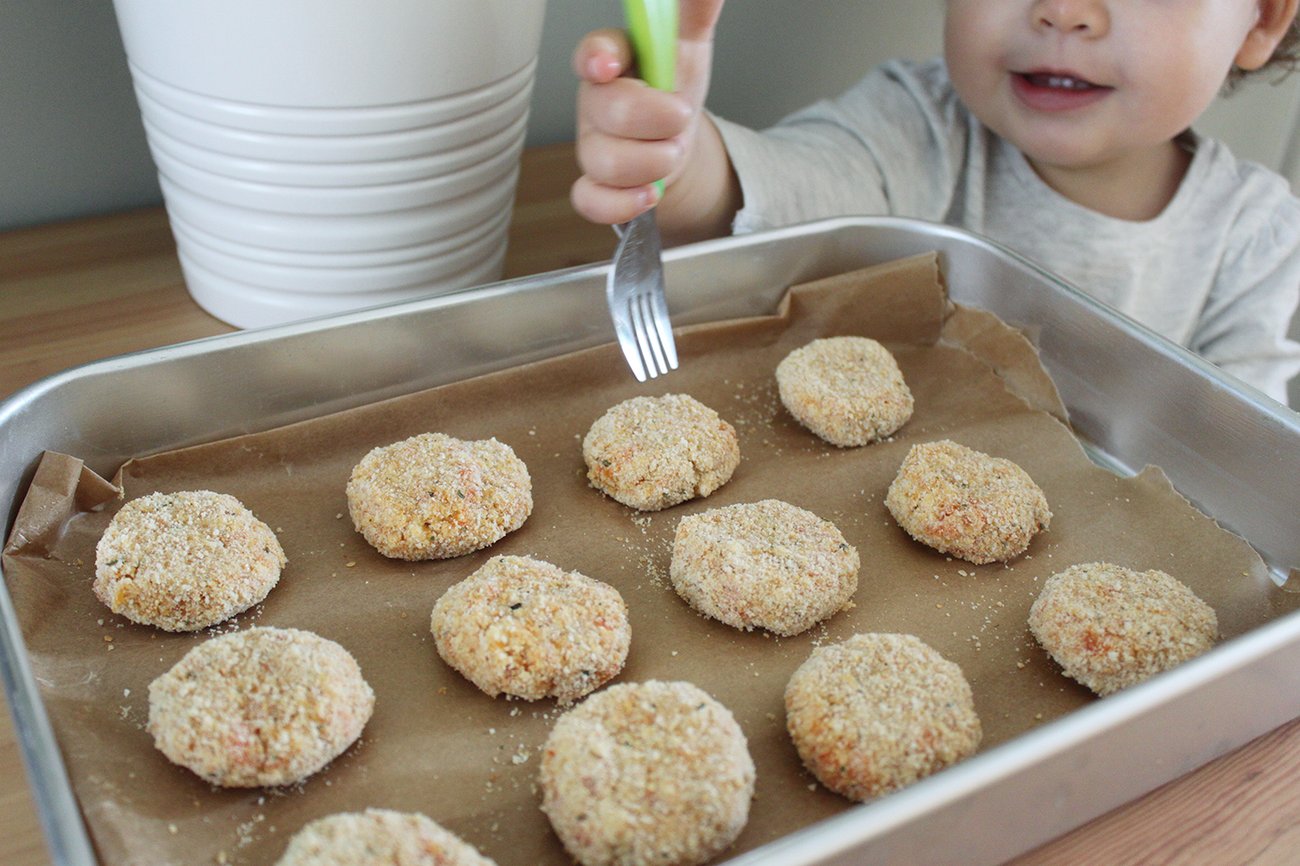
(439, 746)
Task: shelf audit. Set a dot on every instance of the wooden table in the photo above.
(83, 290)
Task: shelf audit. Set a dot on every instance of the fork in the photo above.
(634, 288)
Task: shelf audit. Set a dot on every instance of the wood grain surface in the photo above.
(84, 290)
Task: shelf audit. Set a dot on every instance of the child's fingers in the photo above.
(623, 162)
(602, 56)
(629, 108)
(609, 205)
(697, 18)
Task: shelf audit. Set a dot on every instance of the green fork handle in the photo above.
(652, 26)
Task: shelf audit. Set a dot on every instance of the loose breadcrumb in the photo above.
(531, 630)
(379, 836)
(847, 390)
(650, 453)
(768, 564)
(1110, 627)
(877, 712)
(434, 497)
(265, 706)
(647, 773)
(966, 503)
(185, 561)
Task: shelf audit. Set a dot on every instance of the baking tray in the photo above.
(1134, 399)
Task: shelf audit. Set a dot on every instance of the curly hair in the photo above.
(1285, 60)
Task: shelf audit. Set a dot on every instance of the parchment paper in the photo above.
(439, 746)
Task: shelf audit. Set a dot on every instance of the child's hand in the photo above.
(631, 135)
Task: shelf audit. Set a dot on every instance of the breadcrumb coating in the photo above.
(878, 712)
(966, 503)
(377, 837)
(650, 453)
(529, 629)
(847, 390)
(1111, 627)
(768, 564)
(647, 774)
(260, 707)
(185, 561)
(435, 497)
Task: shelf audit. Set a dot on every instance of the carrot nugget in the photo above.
(965, 503)
(653, 452)
(379, 836)
(1110, 627)
(878, 712)
(847, 390)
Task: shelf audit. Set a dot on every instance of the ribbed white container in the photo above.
(323, 155)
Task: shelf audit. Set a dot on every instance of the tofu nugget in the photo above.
(1110, 627)
(878, 712)
(653, 452)
(435, 497)
(531, 630)
(965, 503)
(768, 564)
(847, 390)
(185, 561)
(647, 773)
(265, 706)
(379, 836)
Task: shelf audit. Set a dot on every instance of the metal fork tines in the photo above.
(635, 291)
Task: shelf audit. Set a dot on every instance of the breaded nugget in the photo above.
(379, 836)
(265, 706)
(965, 503)
(532, 630)
(434, 497)
(878, 712)
(1110, 627)
(768, 564)
(647, 773)
(652, 452)
(185, 561)
(847, 390)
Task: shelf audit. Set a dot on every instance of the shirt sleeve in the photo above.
(891, 144)
(1244, 326)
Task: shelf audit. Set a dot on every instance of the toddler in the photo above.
(1059, 128)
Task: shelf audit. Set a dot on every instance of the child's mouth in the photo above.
(1056, 91)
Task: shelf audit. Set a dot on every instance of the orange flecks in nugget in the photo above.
(647, 773)
(379, 836)
(529, 629)
(653, 452)
(847, 390)
(265, 706)
(768, 564)
(185, 561)
(965, 503)
(1110, 627)
(434, 497)
(878, 712)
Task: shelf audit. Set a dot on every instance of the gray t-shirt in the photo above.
(1218, 271)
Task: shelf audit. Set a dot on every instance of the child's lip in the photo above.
(1056, 89)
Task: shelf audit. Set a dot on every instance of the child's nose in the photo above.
(1082, 17)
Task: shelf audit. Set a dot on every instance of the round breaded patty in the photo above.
(379, 836)
(530, 629)
(265, 706)
(647, 773)
(1110, 627)
(965, 503)
(653, 452)
(185, 561)
(847, 390)
(878, 712)
(768, 564)
(434, 496)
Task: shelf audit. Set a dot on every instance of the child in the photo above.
(1059, 128)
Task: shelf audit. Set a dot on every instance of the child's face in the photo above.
(1078, 83)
